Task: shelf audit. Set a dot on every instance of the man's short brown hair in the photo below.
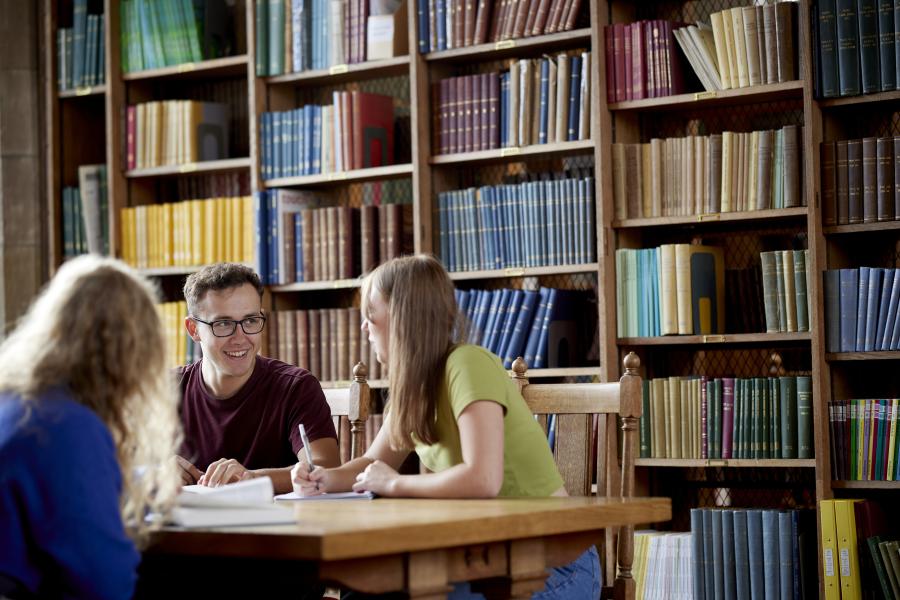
(217, 277)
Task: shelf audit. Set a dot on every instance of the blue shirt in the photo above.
(61, 532)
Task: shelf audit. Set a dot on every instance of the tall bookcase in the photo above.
(76, 119)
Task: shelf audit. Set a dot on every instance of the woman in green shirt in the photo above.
(455, 406)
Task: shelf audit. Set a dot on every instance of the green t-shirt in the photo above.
(471, 374)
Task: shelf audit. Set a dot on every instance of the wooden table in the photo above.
(420, 545)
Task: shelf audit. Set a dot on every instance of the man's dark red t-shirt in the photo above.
(258, 425)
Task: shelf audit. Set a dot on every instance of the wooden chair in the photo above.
(585, 453)
(353, 404)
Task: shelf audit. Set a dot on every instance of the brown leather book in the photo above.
(828, 157)
(869, 181)
(842, 182)
(522, 10)
(854, 181)
(493, 110)
(333, 344)
(556, 8)
(331, 235)
(540, 17)
(343, 344)
(482, 18)
(466, 113)
(784, 30)
(459, 22)
(278, 341)
(439, 117)
(345, 245)
(476, 112)
(289, 243)
(353, 335)
(885, 174)
(318, 231)
(497, 19)
(289, 319)
(897, 178)
(368, 225)
(792, 167)
(469, 8)
(307, 241)
(571, 16)
(315, 356)
(383, 254)
(452, 129)
(302, 324)
(532, 17)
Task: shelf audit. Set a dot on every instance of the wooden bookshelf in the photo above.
(862, 227)
(762, 463)
(388, 67)
(863, 99)
(513, 154)
(711, 219)
(210, 166)
(866, 485)
(340, 177)
(90, 90)
(861, 356)
(229, 66)
(723, 339)
(523, 272)
(311, 286)
(527, 46)
(791, 90)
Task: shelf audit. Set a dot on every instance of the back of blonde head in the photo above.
(423, 320)
(95, 330)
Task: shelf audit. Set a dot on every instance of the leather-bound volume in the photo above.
(493, 110)
(343, 342)
(884, 158)
(842, 182)
(540, 19)
(770, 43)
(469, 8)
(465, 114)
(475, 107)
(482, 19)
(867, 16)
(368, 234)
(315, 357)
(571, 16)
(302, 333)
(785, 17)
(897, 178)
(854, 181)
(829, 183)
(522, 10)
(847, 48)
(869, 181)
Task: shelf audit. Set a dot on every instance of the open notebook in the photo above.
(236, 504)
(293, 496)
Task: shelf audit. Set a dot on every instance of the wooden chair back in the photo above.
(352, 403)
(586, 453)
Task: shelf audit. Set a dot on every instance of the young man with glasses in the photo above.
(241, 411)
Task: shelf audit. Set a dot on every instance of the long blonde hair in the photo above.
(95, 330)
(424, 320)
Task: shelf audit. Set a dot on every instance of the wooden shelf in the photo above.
(516, 47)
(790, 90)
(210, 166)
(524, 272)
(81, 92)
(374, 69)
(779, 463)
(725, 339)
(854, 356)
(861, 99)
(228, 66)
(563, 372)
(862, 227)
(512, 154)
(866, 485)
(371, 174)
(752, 216)
(375, 384)
(310, 286)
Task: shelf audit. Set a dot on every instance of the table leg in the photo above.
(527, 568)
(427, 575)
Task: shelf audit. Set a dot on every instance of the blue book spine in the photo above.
(709, 576)
(422, 15)
(755, 548)
(309, 138)
(893, 299)
(496, 227)
(862, 307)
(484, 232)
(728, 562)
(260, 209)
(574, 94)
(741, 556)
(274, 238)
(504, 109)
(540, 357)
(498, 311)
(552, 224)
(481, 313)
(849, 279)
(509, 319)
(718, 564)
(515, 347)
(785, 555)
(536, 325)
(884, 304)
(543, 104)
(697, 557)
(770, 554)
(874, 294)
(441, 23)
(317, 139)
(492, 302)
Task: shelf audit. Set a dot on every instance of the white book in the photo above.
(206, 516)
(295, 497)
(254, 492)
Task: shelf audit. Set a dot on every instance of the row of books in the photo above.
(856, 47)
(753, 553)
(162, 33)
(191, 233)
(212, 185)
(81, 50)
(532, 224)
(719, 173)
(85, 210)
(446, 24)
(671, 290)
(864, 439)
(355, 132)
(328, 342)
(537, 101)
(662, 565)
(745, 46)
(299, 35)
(534, 324)
(861, 310)
(861, 180)
(180, 348)
(785, 281)
(176, 132)
(859, 550)
(704, 417)
(299, 240)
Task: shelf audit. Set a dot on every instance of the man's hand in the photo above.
(189, 473)
(378, 477)
(222, 471)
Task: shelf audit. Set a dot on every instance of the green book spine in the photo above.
(883, 579)
(765, 419)
(276, 37)
(800, 289)
(788, 398)
(262, 38)
(756, 425)
(804, 417)
(774, 419)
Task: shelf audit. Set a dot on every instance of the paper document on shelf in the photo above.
(252, 492)
(294, 496)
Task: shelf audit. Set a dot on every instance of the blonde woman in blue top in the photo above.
(455, 406)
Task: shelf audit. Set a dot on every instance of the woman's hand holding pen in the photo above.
(309, 482)
(378, 477)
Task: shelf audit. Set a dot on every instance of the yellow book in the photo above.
(658, 388)
(221, 232)
(829, 550)
(168, 234)
(683, 289)
(196, 234)
(750, 181)
(674, 418)
(892, 438)
(646, 182)
(728, 30)
(740, 48)
(249, 230)
(235, 210)
(721, 50)
(848, 558)
(727, 150)
(668, 304)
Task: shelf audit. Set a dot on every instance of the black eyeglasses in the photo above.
(227, 327)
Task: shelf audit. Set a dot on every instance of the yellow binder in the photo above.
(829, 550)
(848, 558)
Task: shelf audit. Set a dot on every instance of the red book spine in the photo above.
(493, 110)
(475, 107)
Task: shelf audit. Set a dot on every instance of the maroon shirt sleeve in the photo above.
(310, 408)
